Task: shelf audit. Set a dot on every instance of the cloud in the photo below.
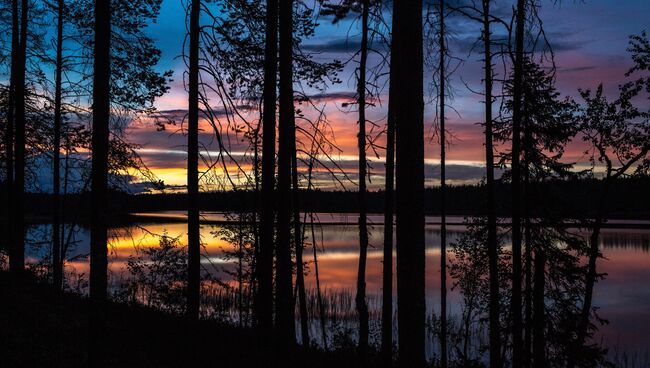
(338, 45)
(332, 96)
(341, 45)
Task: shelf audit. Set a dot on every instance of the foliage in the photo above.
(469, 270)
(548, 124)
(158, 276)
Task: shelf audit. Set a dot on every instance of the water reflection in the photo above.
(623, 296)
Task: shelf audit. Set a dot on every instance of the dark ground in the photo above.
(39, 328)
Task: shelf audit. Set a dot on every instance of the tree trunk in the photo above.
(240, 271)
(284, 316)
(299, 240)
(57, 260)
(410, 183)
(443, 210)
(319, 296)
(493, 248)
(360, 301)
(17, 255)
(387, 278)
(528, 296)
(590, 283)
(99, 181)
(539, 341)
(515, 307)
(264, 303)
(193, 227)
(9, 133)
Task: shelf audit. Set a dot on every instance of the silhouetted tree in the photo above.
(492, 245)
(298, 243)
(193, 230)
(546, 128)
(234, 57)
(389, 202)
(57, 263)
(368, 11)
(264, 301)
(284, 315)
(469, 269)
(99, 181)
(443, 211)
(361, 304)
(517, 94)
(17, 250)
(407, 38)
(618, 133)
(10, 128)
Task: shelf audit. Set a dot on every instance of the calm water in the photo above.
(623, 296)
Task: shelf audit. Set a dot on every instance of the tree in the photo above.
(492, 245)
(235, 57)
(618, 134)
(443, 214)
(284, 316)
(547, 126)
(17, 250)
(389, 202)
(298, 243)
(469, 268)
(366, 9)
(193, 236)
(360, 300)
(9, 132)
(264, 301)
(517, 343)
(57, 263)
(99, 180)
(407, 39)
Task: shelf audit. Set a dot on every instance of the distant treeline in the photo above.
(630, 198)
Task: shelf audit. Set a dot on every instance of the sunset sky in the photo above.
(589, 39)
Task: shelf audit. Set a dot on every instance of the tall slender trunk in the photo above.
(493, 248)
(17, 255)
(264, 302)
(360, 301)
(284, 316)
(591, 276)
(387, 272)
(257, 176)
(528, 243)
(66, 177)
(193, 226)
(515, 307)
(11, 123)
(240, 271)
(99, 181)
(539, 340)
(411, 306)
(319, 295)
(528, 288)
(57, 262)
(443, 188)
(299, 242)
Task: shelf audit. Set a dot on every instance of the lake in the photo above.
(623, 297)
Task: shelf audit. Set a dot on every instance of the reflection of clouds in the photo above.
(623, 295)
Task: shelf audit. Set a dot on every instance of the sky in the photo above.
(589, 39)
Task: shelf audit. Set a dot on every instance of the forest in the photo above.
(326, 183)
